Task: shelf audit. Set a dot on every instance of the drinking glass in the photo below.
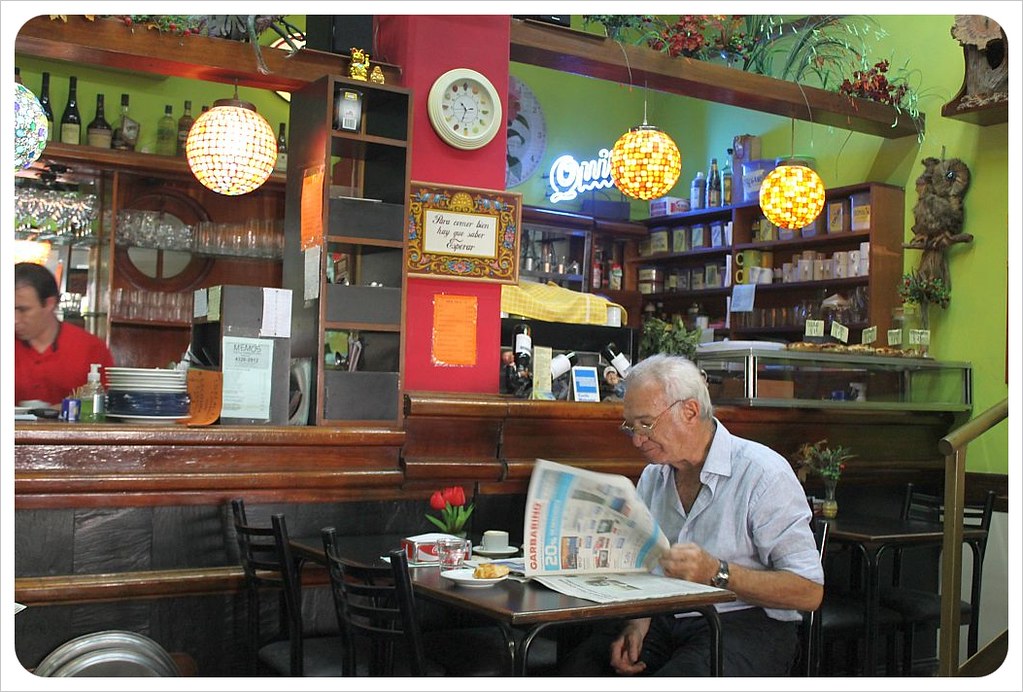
(450, 553)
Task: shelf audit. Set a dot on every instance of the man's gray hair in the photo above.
(678, 378)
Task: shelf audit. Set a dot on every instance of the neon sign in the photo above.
(569, 177)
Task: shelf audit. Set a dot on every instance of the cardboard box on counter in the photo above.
(422, 549)
(668, 205)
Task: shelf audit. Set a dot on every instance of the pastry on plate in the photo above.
(490, 570)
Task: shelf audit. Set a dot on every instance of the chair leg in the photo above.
(972, 637)
(907, 650)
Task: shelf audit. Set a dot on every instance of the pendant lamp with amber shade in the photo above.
(231, 149)
(792, 195)
(645, 162)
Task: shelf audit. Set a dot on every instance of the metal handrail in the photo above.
(953, 446)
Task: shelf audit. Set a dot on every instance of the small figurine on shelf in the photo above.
(359, 67)
(377, 75)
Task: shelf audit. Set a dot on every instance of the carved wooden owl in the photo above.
(939, 208)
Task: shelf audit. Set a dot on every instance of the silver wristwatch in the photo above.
(720, 580)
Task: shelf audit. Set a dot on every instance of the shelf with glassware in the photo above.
(852, 251)
(350, 149)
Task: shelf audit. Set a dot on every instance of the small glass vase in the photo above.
(830, 507)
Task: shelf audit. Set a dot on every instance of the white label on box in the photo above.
(919, 337)
(869, 335)
(814, 328)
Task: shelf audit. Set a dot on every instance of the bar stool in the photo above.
(920, 607)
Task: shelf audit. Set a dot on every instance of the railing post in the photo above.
(952, 564)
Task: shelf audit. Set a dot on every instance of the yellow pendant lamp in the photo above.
(231, 148)
(792, 195)
(645, 162)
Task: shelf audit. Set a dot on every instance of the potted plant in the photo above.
(826, 462)
(671, 337)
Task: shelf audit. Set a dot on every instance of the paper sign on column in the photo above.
(199, 303)
(213, 305)
(276, 313)
(247, 366)
(453, 341)
(311, 284)
(312, 207)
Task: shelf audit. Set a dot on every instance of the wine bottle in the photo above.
(44, 101)
(726, 180)
(126, 134)
(713, 185)
(562, 363)
(618, 359)
(71, 120)
(282, 151)
(167, 133)
(184, 125)
(523, 348)
(99, 133)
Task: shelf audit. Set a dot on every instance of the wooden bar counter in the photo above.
(128, 526)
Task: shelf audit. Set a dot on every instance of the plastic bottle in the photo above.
(93, 397)
(696, 196)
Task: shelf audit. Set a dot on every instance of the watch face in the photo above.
(527, 133)
(465, 109)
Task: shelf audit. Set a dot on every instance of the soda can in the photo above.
(70, 410)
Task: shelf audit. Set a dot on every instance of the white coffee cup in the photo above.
(495, 540)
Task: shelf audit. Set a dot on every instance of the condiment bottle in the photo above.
(696, 195)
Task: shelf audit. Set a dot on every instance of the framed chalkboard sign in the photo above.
(463, 233)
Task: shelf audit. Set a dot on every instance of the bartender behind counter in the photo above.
(51, 358)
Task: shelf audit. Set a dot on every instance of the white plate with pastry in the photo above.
(465, 577)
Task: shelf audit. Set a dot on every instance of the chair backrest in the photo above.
(267, 561)
(375, 603)
(811, 633)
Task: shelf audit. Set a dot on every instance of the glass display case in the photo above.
(762, 377)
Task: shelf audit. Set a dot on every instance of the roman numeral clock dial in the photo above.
(465, 109)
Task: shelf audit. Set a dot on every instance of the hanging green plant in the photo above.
(659, 336)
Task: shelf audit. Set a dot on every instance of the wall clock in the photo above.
(527, 132)
(465, 109)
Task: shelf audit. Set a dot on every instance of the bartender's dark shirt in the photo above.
(61, 368)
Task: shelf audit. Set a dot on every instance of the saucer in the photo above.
(507, 552)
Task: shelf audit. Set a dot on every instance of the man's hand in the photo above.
(626, 648)
(690, 562)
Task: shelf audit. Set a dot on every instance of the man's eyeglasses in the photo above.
(646, 428)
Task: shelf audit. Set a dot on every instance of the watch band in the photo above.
(720, 579)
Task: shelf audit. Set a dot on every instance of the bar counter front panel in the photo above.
(127, 527)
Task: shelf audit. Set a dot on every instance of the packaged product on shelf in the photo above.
(680, 237)
(753, 174)
(860, 211)
(838, 216)
(659, 242)
(668, 205)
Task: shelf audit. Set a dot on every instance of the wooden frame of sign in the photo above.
(463, 233)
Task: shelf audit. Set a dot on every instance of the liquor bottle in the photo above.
(523, 348)
(99, 132)
(713, 185)
(167, 133)
(44, 101)
(597, 271)
(17, 75)
(697, 193)
(71, 120)
(282, 151)
(126, 134)
(726, 180)
(618, 359)
(184, 125)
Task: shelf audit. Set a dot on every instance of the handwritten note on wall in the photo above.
(454, 330)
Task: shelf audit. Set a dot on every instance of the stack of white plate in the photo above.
(147, 395)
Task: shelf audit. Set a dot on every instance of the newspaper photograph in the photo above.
(580, 521)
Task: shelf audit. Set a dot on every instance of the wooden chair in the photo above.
(918, 606)
(379, 620)
(269, 566)
(808, 663)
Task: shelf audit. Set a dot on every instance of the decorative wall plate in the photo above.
(527, 132)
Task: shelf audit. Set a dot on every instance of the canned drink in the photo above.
(70, 410)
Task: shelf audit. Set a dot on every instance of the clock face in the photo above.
(527, 133)
(465, 109)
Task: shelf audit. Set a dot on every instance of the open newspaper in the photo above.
(591, 536)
